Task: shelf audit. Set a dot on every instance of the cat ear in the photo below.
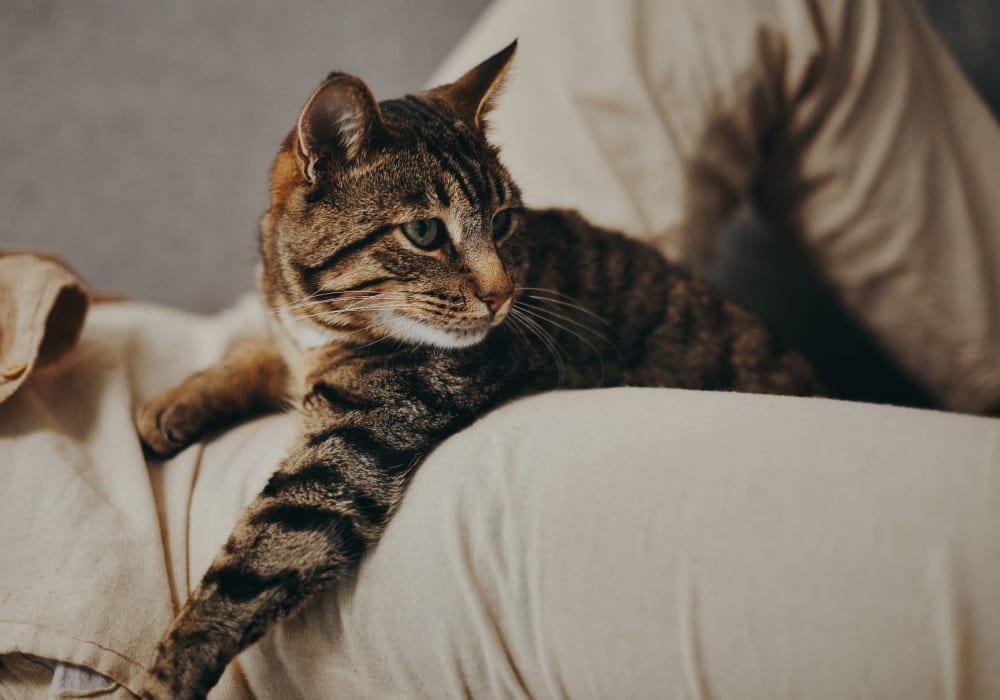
(473, 94)
(339, 121)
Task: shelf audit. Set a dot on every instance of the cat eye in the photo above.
(501, 223)
(425, 233)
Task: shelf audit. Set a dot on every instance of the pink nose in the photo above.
(494, 300)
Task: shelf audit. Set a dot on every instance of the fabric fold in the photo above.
(43, 306)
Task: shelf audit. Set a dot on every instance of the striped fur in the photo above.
(386, 348)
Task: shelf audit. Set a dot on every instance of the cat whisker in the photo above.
(543, 316)
(555, 348)
(362, 330)
(342, 312)
(550, 295)
(360, 293)
(335, 313)
(316, 305)
(316, 297)
(315, 300)
(516, 326)
(528, 334)
(517, 332)
(563, 317)
(379, 340)
(546, 338)
(360, 305)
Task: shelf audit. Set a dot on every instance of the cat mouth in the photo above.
(422, 332)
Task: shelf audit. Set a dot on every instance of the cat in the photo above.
(410, 291)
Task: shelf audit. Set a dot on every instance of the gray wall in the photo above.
(135, 135)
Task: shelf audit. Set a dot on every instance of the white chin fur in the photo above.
(411, 331)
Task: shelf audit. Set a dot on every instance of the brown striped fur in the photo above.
(386, 348)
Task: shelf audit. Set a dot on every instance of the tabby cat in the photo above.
(410, 292)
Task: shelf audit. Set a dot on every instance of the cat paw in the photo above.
(155, 693)
(165, 426)
(155, 687)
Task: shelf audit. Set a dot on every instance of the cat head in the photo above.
(393, 219)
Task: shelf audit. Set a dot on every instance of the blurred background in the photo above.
(136, 136)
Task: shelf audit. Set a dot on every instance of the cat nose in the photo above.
(495, 299)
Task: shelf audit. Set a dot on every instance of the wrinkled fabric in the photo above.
(614, 543)
(637, 543)
(43, 306)
(847, 122)
(86, 568)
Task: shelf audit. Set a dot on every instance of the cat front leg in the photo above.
(305, 532)
(250, 379)
(366, 422)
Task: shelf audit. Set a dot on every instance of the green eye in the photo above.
(426, 233)
(501, 224)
